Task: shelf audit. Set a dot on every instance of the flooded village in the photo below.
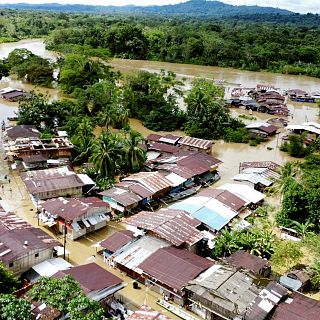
(143, 246)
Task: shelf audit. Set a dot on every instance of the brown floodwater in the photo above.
(83, 250)
(230, 153)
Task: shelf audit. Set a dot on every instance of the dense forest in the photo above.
(251, 43)
(194, 8)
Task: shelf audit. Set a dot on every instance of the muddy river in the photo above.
(230, 153)
(83, 250)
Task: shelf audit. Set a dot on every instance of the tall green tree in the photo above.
(83, 140)
(206, 116)
(79, 71)
(135, 156)
(13, 308)
(65, 295)
(107, 154)
(8, 282)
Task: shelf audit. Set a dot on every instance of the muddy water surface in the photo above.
(83, 250)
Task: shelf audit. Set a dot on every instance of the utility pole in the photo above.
(64, 239)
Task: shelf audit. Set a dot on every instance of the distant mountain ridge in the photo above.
(196, 8)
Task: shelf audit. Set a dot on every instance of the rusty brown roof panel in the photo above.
(91, 277)
(122, 196)
(225, 197)
(300, 307)
(260, 164)
(153, 181)
(195, 142)
(15, 236)
(153, 137)
(117, 240)
(174, 267)
(248, 261)
(175, 226)
(162, 147)
(147, 313)
(22, 131)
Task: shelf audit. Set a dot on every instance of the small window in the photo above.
(36, 255)
(11, 265)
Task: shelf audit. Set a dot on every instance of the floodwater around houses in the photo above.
(83, 250)
(230, 153)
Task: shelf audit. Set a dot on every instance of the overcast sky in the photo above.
(302, 6)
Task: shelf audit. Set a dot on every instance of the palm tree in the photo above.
(303, 228)
(281, 185)
(83, 140)
(135, 156)
(107, 152)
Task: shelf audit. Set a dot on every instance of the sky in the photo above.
(302, 6)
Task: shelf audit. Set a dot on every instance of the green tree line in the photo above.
(277, 43)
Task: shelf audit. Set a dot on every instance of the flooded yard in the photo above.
(83, 250)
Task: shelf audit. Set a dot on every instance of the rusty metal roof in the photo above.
(260, 164)
(71, 208)
(174, 267)
(175, 226)
(196, 142)
(162, 147)
(117, 240)
(121, 196)
(186, 164)
(153, 181)
(147, 313)
(91, 277)
(248, 261)
(297, 307)
(50, 180)
(22, 131)
(18, 238)
(225, 197)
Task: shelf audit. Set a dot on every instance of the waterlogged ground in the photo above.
(83, 250)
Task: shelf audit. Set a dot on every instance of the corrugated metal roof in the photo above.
(195, 142)
(50, 180)
(119, 195)
(297, 307)
(253, 178)
(260, 164)
(153, 181)
(135, 253)
(248, 261)
(245, 192)
(71, 208)
(186, 164)
(117, 240)
(211, 218)
(229, 289)
(174, 267)
(225, 197)
(91, 277)
(14, 235)
(175, 226)
(162, 147)
(147, 313)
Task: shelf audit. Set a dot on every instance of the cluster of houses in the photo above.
(299, 95)
(267, 99)
(165, 247)
(258, 174)
(263, 98)
(23, 143)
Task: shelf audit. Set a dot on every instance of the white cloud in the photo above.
(302, 6)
